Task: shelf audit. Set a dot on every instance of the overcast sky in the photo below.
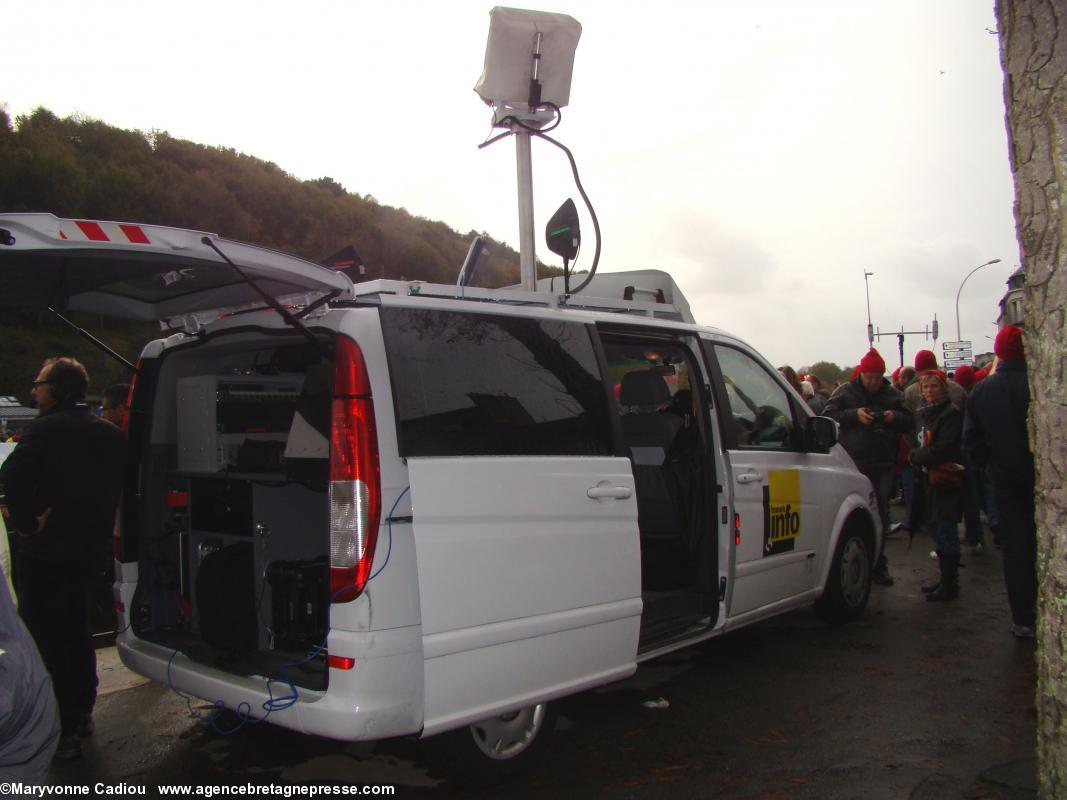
(764, 153)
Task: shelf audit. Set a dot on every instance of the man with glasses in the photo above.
(62, 486)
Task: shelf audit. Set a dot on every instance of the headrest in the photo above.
(643, 389)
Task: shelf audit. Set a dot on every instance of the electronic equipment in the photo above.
(235, 423)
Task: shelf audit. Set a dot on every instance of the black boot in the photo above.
(949, 588)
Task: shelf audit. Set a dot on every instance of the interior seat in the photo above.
(649, 434)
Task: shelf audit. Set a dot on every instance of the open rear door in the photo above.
(529, 579)
(146, 272)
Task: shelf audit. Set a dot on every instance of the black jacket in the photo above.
(995, 433)
(872, 447)
(71, 461)
(941, 427)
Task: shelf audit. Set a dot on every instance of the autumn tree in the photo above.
(1033, 52)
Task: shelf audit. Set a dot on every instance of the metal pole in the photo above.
(524, 164)
(959, 337)
(870, 327)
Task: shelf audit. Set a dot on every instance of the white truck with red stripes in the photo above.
(396, 508)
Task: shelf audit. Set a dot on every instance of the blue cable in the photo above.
(389, 528)
(272, 703)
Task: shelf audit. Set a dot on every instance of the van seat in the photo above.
(649, 434)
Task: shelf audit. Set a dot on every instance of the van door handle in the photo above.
(604, 491)
(749, 477)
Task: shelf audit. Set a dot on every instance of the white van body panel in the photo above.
(537, 594)
(497, 582)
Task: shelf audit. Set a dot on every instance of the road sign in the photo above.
(955, 345)
(959, 354)
(952, 363)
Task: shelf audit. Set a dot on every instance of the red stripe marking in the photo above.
(92, 231)
(62, 235)
(134, 234)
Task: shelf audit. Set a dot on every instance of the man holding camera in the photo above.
(872, 416)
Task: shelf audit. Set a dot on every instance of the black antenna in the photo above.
(282, 311)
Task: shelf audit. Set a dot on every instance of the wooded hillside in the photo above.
(83, 168)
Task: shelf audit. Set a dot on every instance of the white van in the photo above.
(388, 508)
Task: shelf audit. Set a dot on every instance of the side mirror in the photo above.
(820, 434)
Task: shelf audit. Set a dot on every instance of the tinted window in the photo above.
(482, 384)
(759, 405)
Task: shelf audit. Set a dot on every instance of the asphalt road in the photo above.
(917, 700)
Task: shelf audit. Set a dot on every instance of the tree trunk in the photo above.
(1033, 51)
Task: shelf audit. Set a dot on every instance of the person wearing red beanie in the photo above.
(973, 479)
(873, 363)
(872, 416)
(965, 376)
(924, 360)
(995, 435)
(1009, 343)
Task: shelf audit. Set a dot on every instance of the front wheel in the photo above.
(495, 749)
(848, 586)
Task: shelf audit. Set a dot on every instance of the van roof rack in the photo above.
(644, 293)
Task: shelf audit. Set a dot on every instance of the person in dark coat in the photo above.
(996, 436)
(940, 441)
(62, 484)
(872, 416)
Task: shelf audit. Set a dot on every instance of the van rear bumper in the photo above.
(380, 697)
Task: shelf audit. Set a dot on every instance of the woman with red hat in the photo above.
(941, 443)
(872, 415)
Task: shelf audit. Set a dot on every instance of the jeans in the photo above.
(911, 484)
(882, 481)
(972, 520)
(946, 538)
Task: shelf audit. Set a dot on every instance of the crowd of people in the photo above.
(957, 446)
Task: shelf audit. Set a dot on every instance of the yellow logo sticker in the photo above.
(781, 511)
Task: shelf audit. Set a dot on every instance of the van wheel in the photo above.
(848, 586)
(495, 749)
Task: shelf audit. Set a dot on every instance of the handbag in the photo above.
(947, 475)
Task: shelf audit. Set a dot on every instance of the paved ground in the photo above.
(915, 701)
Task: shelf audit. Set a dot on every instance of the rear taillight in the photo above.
(355, 483)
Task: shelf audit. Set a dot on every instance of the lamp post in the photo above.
(959, 336)
(870, 327)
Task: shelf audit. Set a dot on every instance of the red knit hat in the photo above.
(980, 375)
(1009, 343)
(965, 376)
(896, 373)
(925, 360)
(872, 362)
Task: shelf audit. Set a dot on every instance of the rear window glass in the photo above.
(484, 384)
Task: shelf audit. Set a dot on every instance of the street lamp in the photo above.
(959, 336)
(870, 327)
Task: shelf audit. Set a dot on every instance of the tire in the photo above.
(493, 750)
(848, 586)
